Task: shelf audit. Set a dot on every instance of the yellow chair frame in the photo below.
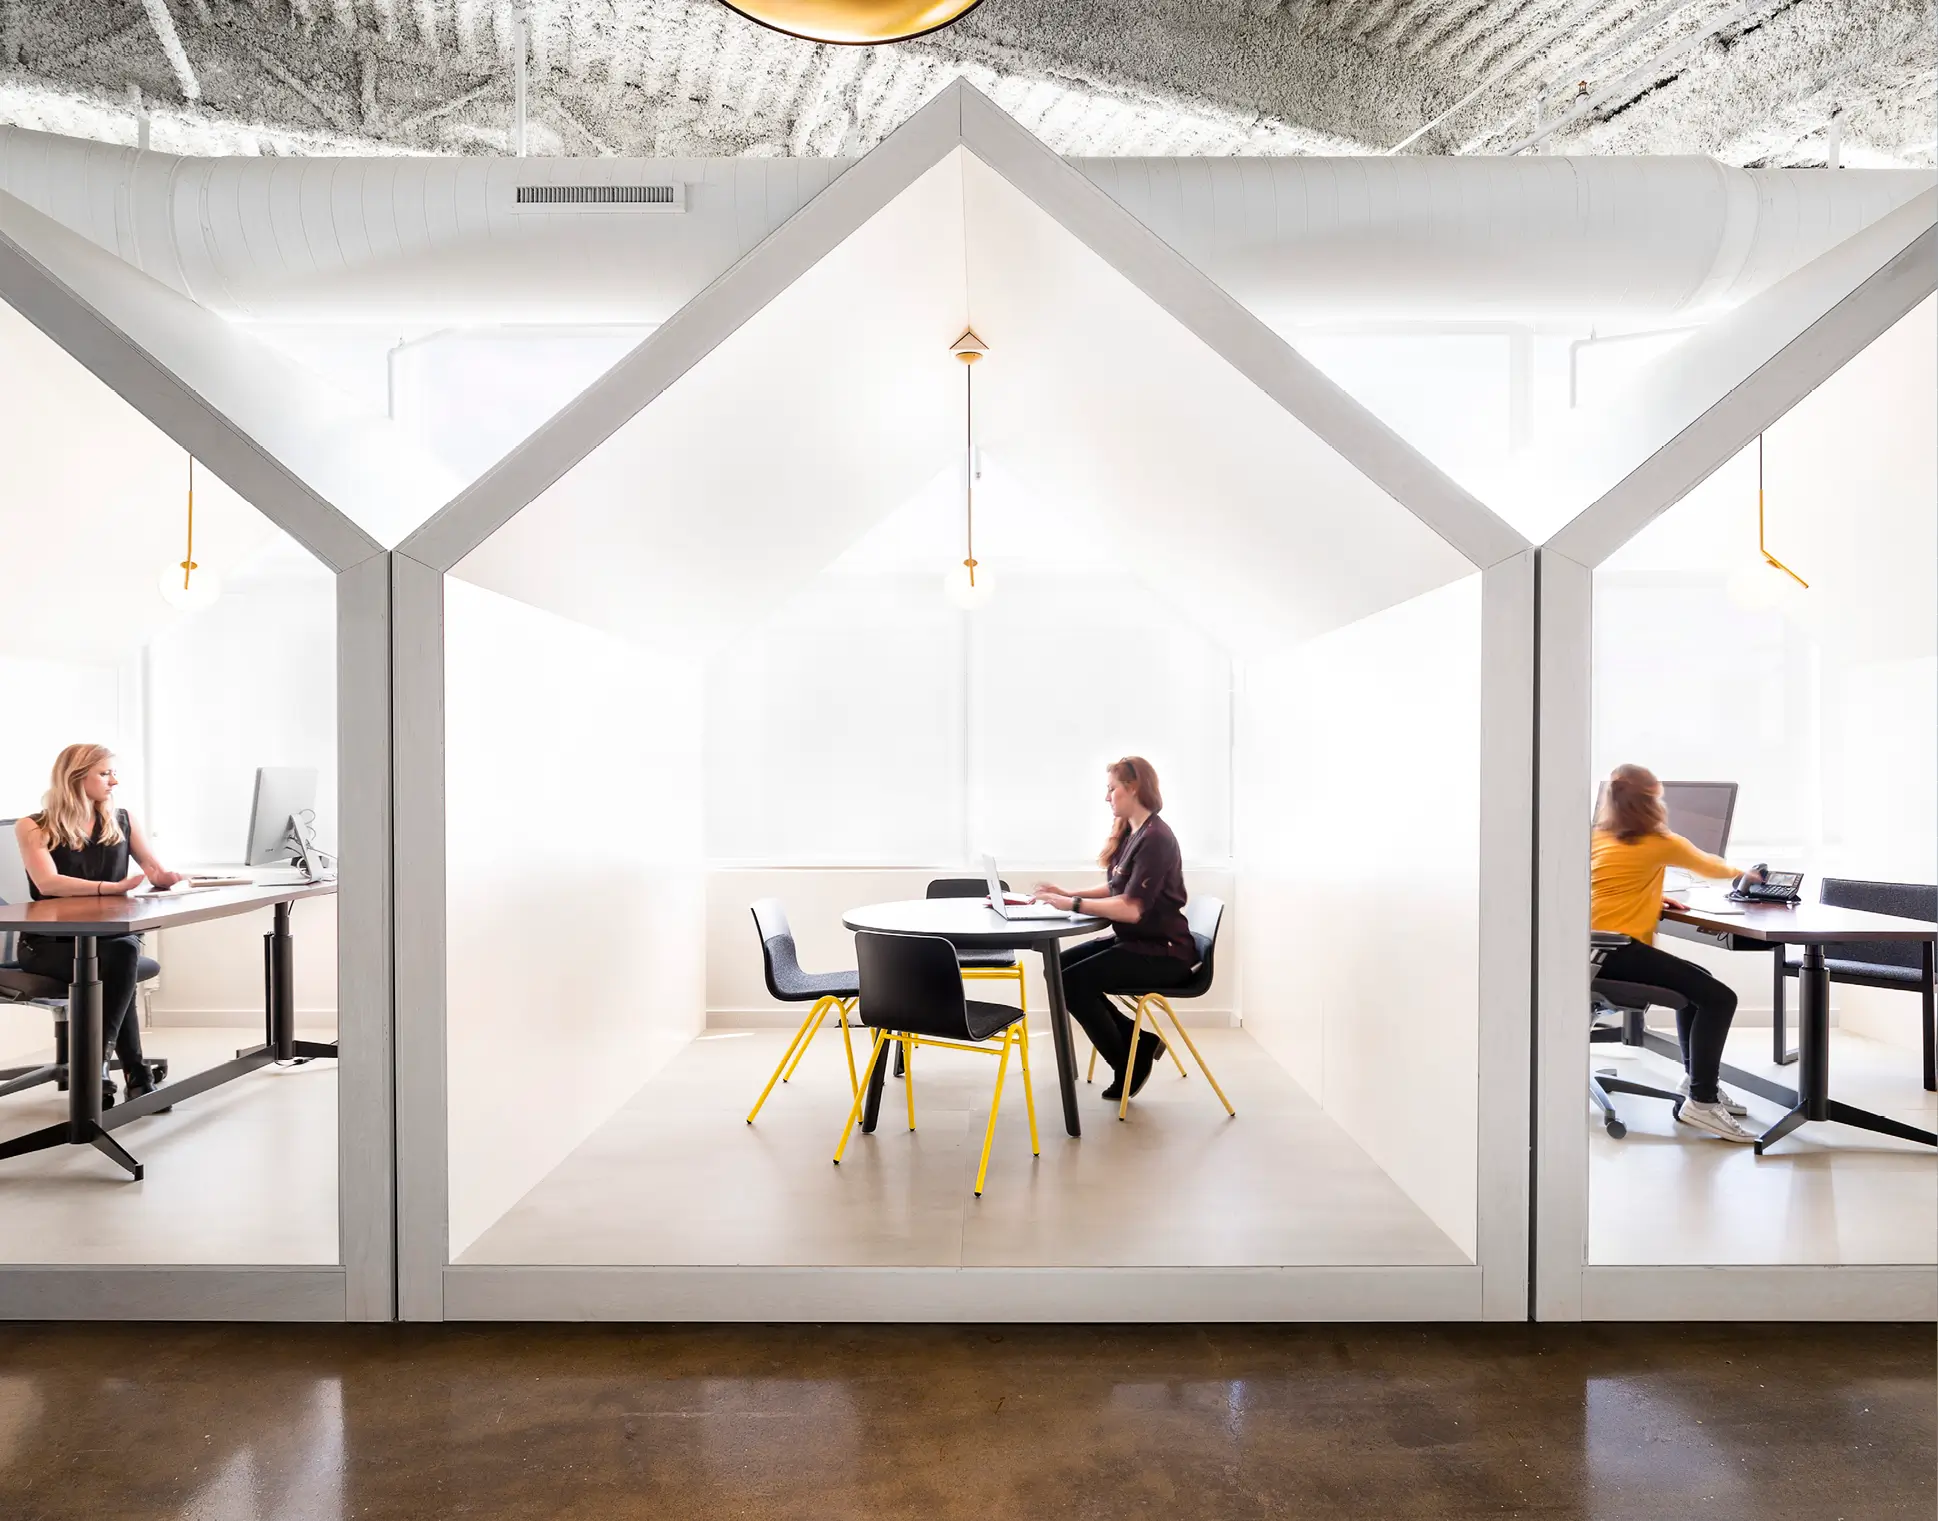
(1002, 974)
(1015, 1037)
(803, 1038)
(1150, 1003)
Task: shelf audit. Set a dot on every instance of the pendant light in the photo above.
(1761, 587)
(187, 585)
(966, 585)
(855, 23)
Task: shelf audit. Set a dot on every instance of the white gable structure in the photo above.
(800, 399)
(1773, 357)
(339, 484)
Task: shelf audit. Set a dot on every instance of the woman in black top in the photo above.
(1151, 949)
(78, 846)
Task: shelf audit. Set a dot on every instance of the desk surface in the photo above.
(969, 923)
(137, 913)
(1774, 924)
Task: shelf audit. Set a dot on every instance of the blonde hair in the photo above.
(68, 817)
(1632, 807)
(1141, 777)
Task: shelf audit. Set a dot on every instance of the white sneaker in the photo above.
(1712, 1119)
(1724, 1097)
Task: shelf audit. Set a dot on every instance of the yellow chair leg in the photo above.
(814, 1029)
(1130, 1061)
(1029, 1088)
(855, 1112)
(842, 1007)
(1022, 988)
(908, 1077)
(1196, 1056)
(807, 1025)
(1091, 1075)
(995, 1103)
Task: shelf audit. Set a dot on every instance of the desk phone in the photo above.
(1776, 887)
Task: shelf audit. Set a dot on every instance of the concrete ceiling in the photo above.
(1753, 82)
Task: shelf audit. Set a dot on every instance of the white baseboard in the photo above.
(789, 1019)
(232, 1019)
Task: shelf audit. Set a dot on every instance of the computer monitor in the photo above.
(1698, 811)
(282, 793)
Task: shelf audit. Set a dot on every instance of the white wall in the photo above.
(1359, 843)
(815, 901)
(576, 902)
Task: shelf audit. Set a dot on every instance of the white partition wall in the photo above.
(166, 377)
(1665, 640)
(709, 531)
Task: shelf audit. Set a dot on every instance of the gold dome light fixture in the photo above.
(961, 586)
(854, 23)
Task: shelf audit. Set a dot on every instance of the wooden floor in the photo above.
(679, 1178)
(1664, 1194)
(1092, 1423)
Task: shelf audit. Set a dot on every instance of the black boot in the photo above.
(1149, 1049)
(140, 1079)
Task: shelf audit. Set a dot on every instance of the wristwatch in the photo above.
(1076, 905)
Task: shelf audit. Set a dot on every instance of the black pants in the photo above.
(118, 956)
(1098, 967)
(1702, 1027)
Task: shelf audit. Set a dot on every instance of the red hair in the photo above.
(1141, 776)
(1632, 807)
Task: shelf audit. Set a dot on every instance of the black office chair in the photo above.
(19, 986)
(781, 965)
(982, 966)
(1631, 1001)
(911, 993)
(1903, 965)
(1202, 916)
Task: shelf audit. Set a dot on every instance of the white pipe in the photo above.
(164, 25)
(420, 243)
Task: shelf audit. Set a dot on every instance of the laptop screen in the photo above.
(995, 884)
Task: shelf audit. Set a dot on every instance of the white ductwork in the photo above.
(1298, 240)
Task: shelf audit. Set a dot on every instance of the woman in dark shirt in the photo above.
(78, 846)
(1151, 949)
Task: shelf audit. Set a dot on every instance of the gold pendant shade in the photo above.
(856, 23)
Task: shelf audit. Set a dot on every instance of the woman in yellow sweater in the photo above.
(1632, 846)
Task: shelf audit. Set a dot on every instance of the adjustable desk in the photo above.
(87, 919)
(1812, 926)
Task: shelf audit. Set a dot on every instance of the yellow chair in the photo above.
(781, 965)
(911, 995)
(1202, 916)
(982, 966)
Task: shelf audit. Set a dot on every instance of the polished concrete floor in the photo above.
(1614, 1423)
(245, 1173)
(1664, 1194)
(679, 1177)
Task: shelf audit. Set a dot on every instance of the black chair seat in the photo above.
(977, 1021)
(1636, 995)
(987, 960)
(18, 985)
(1872, 973)
(913, 985)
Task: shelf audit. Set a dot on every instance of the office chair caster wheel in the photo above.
(1615, 1128)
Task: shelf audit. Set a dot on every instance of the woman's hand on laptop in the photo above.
(1053, 898)
(1037, 892)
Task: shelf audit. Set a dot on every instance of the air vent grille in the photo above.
(601, 197)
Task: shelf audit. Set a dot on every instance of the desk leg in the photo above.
(1929, 993)
(83, 1127)
(1781, 1051)
(1813, 1068)
(279, 996)
(1066, 1056)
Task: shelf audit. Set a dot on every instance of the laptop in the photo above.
(1010, 910)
